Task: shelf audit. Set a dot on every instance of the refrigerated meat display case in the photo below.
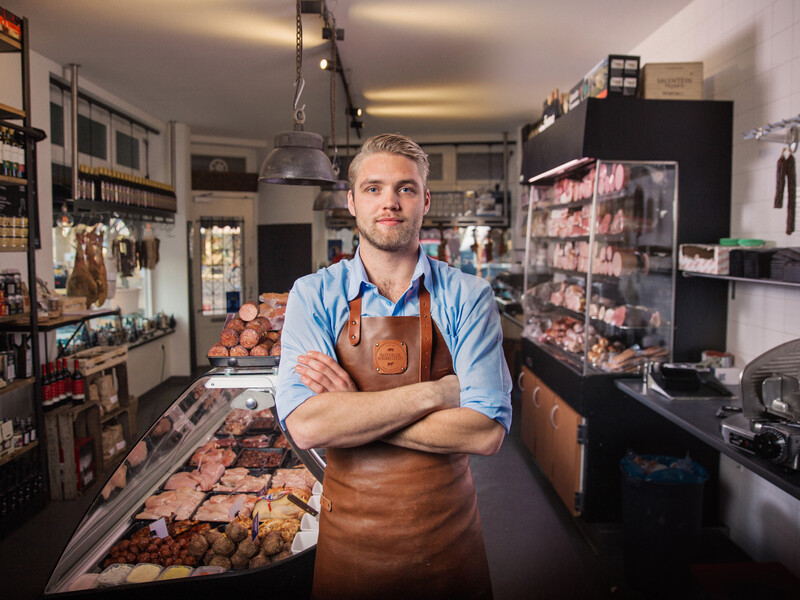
(214, 497)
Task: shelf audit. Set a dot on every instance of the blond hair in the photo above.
(393, 143)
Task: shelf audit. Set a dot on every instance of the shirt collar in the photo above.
(358, 275)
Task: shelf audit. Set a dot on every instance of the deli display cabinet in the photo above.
(213, 497)
(602, 245)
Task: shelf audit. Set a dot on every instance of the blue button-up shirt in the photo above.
(462, 305)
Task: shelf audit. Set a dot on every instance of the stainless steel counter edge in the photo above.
(698, 417)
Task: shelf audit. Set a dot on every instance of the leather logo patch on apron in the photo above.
(390, 357)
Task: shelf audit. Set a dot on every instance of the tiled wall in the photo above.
(751, 55)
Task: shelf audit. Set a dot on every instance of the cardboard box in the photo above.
(672, 81)
(712, 259)
(618, 74)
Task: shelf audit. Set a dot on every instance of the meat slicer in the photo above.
(769, 425)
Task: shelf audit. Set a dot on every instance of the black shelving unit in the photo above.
(30, 486)
(697, 135)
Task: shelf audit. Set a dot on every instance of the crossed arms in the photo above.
(421, 416)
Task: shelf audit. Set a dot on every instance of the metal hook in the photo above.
(793, 138)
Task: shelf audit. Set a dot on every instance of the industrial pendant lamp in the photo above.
(333, 196)
(298, 157)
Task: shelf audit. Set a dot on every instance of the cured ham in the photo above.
(180, 503)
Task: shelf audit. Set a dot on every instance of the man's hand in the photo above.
(450, 390)
(321, 373)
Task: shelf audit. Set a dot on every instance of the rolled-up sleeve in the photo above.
(479, 359)
(306, 327)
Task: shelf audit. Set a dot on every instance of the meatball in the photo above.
(236, 531)
(221, 561)
(248, 548)
(239, 561)
(258, 561)
(224, 546)
(198, 546)
(271, 543)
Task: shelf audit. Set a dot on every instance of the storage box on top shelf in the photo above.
(672, 81)
(712, 259)
(12, 24)
(615, 75)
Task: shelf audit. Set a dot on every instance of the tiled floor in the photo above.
(534, 547)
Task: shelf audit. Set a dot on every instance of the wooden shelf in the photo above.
(9, 112)
(19, 250)
(17, 453)
(22, 324)
(744, 279)
(17, 384)
(5, 179)
(9, 44)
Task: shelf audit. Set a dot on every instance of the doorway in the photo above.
(222, 255)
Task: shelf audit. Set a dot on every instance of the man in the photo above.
(393, 362)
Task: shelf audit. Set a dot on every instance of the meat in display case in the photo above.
(601, 244)
(214, 488)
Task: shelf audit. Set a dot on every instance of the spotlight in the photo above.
(355, 112)
(357, 124)
(326, 33)
(326, 65)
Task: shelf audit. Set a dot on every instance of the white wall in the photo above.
(751, 55)
(169, 287)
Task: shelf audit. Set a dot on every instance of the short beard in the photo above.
(400, 238)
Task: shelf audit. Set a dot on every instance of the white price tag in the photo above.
(237, 506)
(159, 528)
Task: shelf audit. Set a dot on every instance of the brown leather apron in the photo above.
(397, 523)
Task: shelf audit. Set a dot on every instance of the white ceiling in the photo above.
(431, 69)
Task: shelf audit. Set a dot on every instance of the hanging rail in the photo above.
(783, 132)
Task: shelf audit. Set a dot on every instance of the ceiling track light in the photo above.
(354, 112)
(326, 33)
(356, 124)
(327, 65)
(298, 157)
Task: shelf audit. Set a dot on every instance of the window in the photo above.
(92, 137)
(221, 243)
(479, 166)
(127, 150)
(56, 124)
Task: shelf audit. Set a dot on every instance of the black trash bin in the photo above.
(661, 515)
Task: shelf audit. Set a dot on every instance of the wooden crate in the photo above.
(672, 81)
(60, 430)
(100, 358)
(72, 304)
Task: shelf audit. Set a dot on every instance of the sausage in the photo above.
(239, 351)
(235, 323)
(229, 338)
(217, 350)
(251, 337)
(276, 350)
(262, 349)
(259, 322)
(248, 311)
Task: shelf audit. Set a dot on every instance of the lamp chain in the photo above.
(299, 59)
(334, 56)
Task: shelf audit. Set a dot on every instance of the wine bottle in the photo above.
(47, 398)
(78, 381)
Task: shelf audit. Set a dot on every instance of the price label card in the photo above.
(159, 528)
(237, 506)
